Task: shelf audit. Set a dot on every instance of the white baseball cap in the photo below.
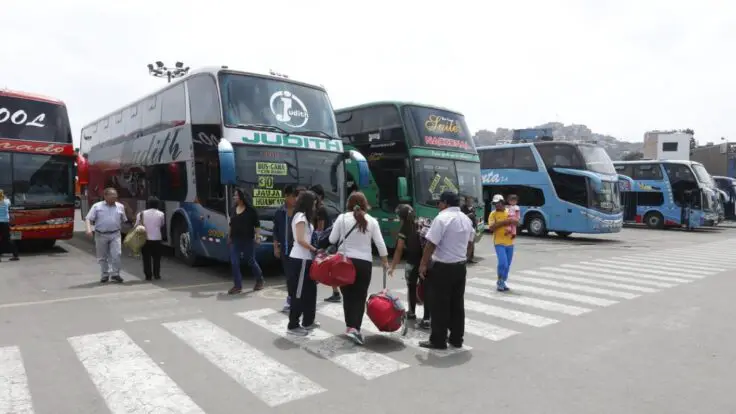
(498, 198)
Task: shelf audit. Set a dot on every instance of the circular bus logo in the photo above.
(289, 109)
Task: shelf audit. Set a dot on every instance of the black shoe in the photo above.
(117, 279)
(14, 259)
(148, 277)
(430, 345)
(335, 298)
(424, 324)
(104, 279)
(157, 277)
(455, 344)
(411, 316)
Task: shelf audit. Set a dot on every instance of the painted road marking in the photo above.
(573, 286)
(15, 396)
(269, 380)
(635, 268)
(481, 329)
(638, 273)
(339, 350)
(411, 340)
(647, 263)
(564, 274)
(590, 300)
(128, 379)
(525, 301)
(605, 274)
(699, 259)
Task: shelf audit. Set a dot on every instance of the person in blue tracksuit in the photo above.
(283, 239)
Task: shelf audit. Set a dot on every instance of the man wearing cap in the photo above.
(449, 240)
(503, 240)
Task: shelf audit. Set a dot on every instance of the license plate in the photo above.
(15, 235)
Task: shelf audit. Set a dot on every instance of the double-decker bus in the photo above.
(37, 167)
(265, 131)
(561, 187)
(414, 152)
(728, 186)
(668, 193)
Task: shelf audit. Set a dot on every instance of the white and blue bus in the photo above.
(213, 129)
(562, 187)
(667, 193)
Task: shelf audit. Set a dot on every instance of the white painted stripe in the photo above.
(525, 301)
(164, 313)
(269, 380)
(481, 329)
(600, 274)
(565, 276)
(639, 273)
(412, 338)
(128, 379)
(636, 278)
(338, 350)
(651, 269)
(670, 264)
(503, 313)
(697, 263)
(590, 300)
(719, 256)
(15, 396)
(699, 258)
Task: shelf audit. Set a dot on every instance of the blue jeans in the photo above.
(248, 249)
(504, 255)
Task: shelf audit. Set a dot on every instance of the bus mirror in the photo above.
(403, 190)
(227, 162)
(362, 164)
(82, 170)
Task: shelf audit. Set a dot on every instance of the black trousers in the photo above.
(412, 279)
(151, 253)
(5, 242)
(355, 295)
(448, 303)
(303, 293)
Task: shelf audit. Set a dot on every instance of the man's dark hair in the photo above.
(153, 203)
(289, 190)
(319, 190)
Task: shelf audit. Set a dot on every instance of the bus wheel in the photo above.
(563, 233)
(654, 220)
(536, 225)
(182, 244)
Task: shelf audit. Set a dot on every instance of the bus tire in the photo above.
(654, 220)
(182, 243)
(563, 233)
(535, 225)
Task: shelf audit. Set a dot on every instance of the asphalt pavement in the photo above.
(636, 322)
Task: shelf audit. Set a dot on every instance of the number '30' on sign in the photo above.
(20, 117)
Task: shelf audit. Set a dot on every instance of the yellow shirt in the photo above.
(499, 235)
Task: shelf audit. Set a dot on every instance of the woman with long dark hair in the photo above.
(302, 289)
(357, 229)
(153, 219)
(409, 242)
(245, 228)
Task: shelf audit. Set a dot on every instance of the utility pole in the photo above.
(161, 71)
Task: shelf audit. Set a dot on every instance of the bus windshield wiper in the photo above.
(320, 133)
(265, 127)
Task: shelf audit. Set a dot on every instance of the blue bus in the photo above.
(562, 187)
(667, 193)
(190, 142)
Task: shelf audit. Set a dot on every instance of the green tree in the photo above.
(632, 156)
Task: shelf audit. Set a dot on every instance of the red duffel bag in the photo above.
(386, 311)
(333, 270)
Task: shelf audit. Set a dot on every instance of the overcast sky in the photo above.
(622, 67)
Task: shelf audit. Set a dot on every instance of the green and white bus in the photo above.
(414, 153)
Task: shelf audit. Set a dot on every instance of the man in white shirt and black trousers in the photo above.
(449, 240)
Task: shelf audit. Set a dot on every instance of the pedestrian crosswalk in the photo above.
(129, 379)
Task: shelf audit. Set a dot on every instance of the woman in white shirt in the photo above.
(357, 246)
(302, 289)
(153, 219)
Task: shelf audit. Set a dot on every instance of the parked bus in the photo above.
(190, 140)
(37, 167)
(562, 187)
(728, 186)
(415, 152)
(668, 193)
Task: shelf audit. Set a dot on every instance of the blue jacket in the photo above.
(282, 230)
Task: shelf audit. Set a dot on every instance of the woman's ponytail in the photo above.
(358, 204)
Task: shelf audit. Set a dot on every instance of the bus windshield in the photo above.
(703, 176)
(254, 100)
(31, 120)
(607, 199)
(437, 175)
(264, 172)
(37, 180)
(597, 159)
(441, 129)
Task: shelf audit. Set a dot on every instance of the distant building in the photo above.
(667, 145)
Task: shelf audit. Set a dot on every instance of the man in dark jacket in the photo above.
(283, 240)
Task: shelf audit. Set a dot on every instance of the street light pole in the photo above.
(161, 71)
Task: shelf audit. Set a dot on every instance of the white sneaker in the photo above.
(298, 331)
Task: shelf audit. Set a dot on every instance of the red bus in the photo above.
(37, 167)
